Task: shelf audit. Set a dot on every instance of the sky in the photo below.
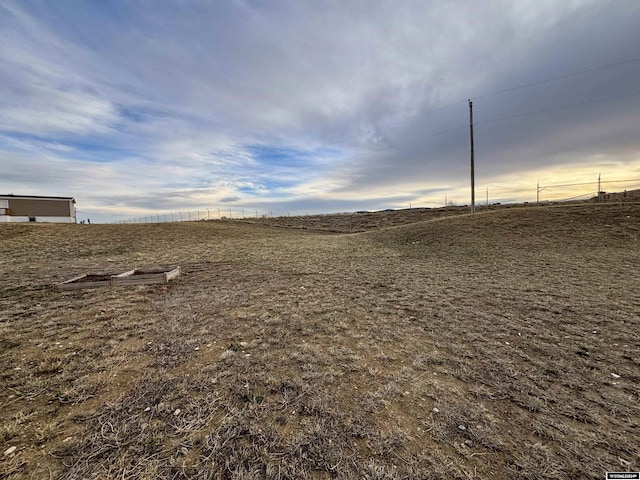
(146, 107)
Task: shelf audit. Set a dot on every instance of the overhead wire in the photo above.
(495, 120)
(562, 107)
(559, 77)
(475, 97)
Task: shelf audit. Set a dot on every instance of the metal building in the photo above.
(30, 208)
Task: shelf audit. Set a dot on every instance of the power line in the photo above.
(553, 109)
(560, 77)
(577, 196)
(497, 92)
(591, 183)
(621, 181)
(490, 121)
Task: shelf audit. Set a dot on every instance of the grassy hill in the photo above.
(497, 345)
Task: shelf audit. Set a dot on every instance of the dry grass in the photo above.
(464, 347)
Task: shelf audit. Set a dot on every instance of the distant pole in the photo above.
(208, 217)
(446, 208)
(473, 179)
(599, 189)
(538, 190)
(487, 198)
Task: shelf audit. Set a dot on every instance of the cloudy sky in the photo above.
(139, 107)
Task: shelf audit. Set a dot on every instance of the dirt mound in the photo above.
(539, 228)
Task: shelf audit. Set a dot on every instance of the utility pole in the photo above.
(473, 179)
(538, 190)
(599, 198)
(487, 198)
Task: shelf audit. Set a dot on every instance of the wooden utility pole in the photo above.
(473, 179)
(599, 188)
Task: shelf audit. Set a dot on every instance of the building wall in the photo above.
(629, 196)
(26, 207)
(12, 219)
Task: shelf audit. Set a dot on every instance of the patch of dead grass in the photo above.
(291, 354)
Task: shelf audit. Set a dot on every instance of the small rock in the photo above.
(147, 409)
(177, 412)
(68, 439)
(435, 410)
(462, 428)
(197, 348)
(615, 375)
(10, 450)
(468, 443)
(244, 344)
(623, 462)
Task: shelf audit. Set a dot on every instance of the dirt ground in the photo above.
(499, 345)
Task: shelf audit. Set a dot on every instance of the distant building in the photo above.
(626, 196)
(25, 208)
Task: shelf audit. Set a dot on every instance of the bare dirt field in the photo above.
(499, 345)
